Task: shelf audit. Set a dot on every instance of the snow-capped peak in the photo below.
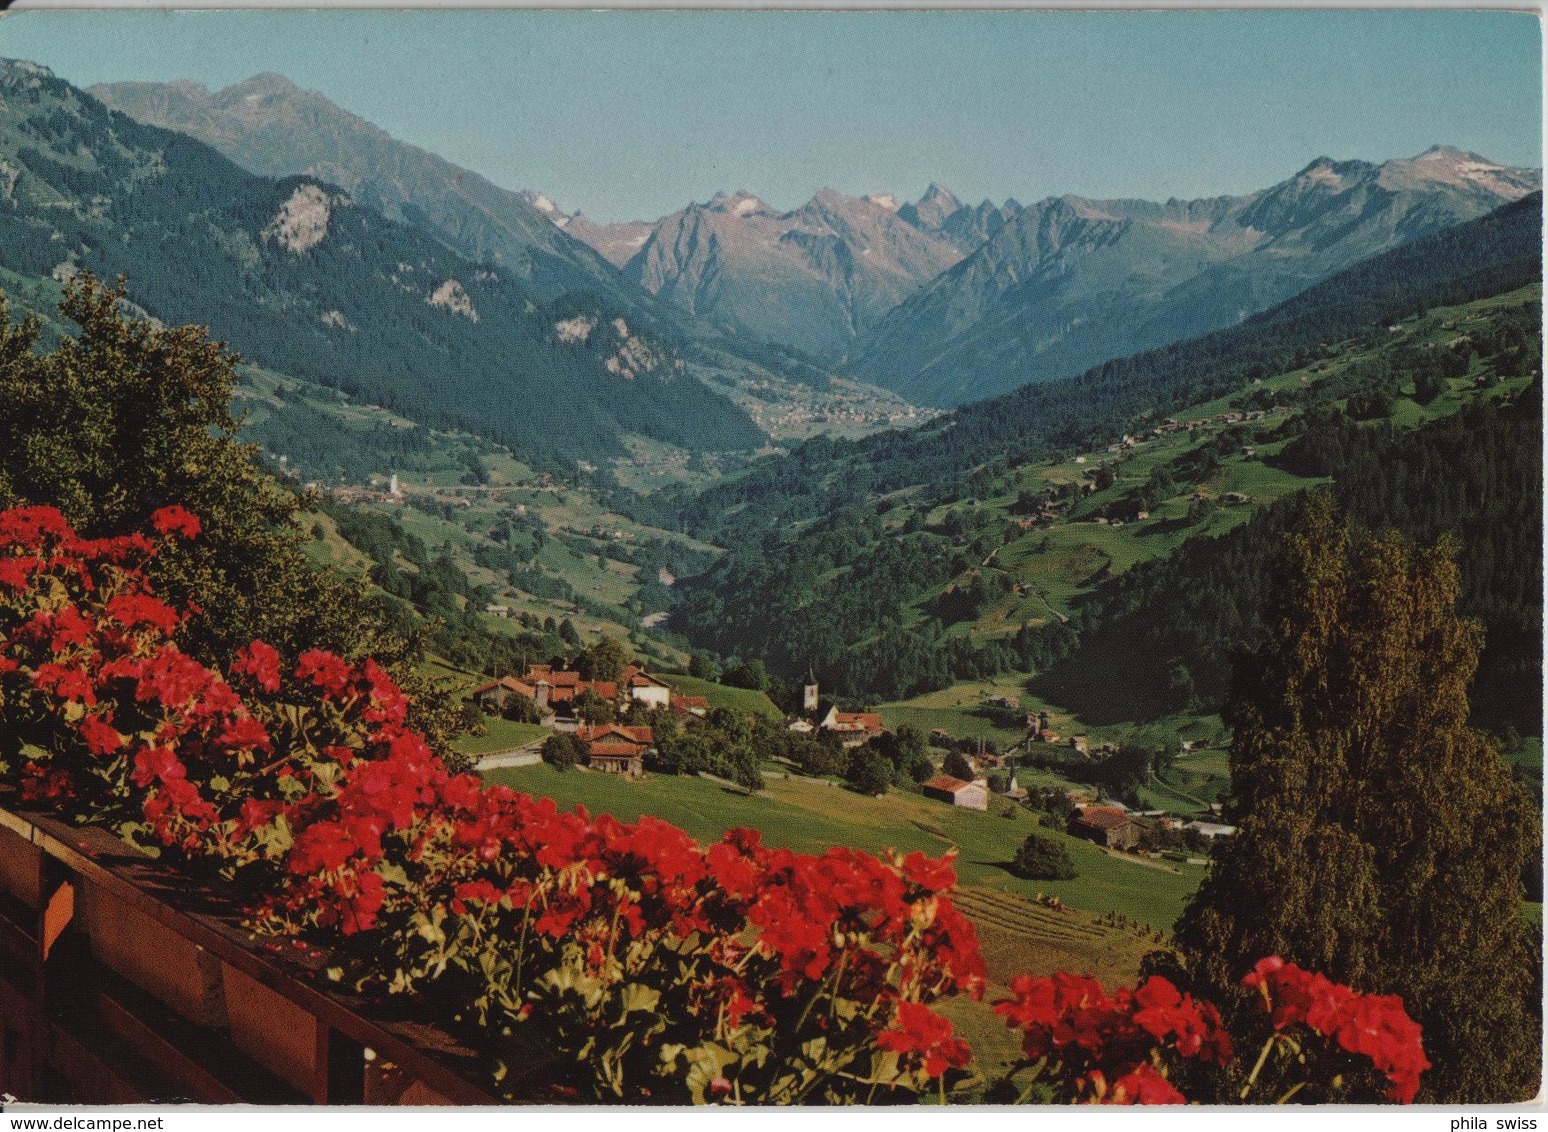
(545, 204)
(739, 203)
(883, 200)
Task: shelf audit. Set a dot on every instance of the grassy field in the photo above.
(957, 710)
(500, 735)
(812, 818)
(737, 699)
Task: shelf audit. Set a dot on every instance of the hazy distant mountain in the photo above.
(1069, 282)
(617, 243)
(967, 226)
(270, 126)
(813, 279)
(304, 279)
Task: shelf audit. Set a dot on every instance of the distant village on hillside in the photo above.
(596, 712)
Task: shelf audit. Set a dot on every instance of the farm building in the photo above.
(494, 695)
(616, 750)
(855, 726)
(968, 795)
(1210, 829)
(1106, 825)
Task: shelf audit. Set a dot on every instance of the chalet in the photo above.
(968, 795)
(644, 689)
(1079, 743)
(613, 749)
(855, 726)
(494, 695)
(1106, 825)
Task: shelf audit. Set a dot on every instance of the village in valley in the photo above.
(611, 724)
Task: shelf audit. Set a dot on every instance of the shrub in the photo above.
(1043, 858)
(563, 751)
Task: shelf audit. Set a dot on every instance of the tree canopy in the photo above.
(1381, 839)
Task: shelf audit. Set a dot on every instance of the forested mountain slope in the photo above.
(271, 127)
(1497, 253)
(301, 278)
(884, 596)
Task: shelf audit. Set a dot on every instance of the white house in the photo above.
(645, 689)
(968, 795)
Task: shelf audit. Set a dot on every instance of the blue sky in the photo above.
(633, 114)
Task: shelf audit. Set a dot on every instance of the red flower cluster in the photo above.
(1376, 1027)
(176, 520)
(306, 783)
(1093, 1037)
(919, 1031)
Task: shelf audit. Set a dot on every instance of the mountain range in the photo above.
(815, 279)
(1070, 282)
(946, 303)
(304, 279)
(937, 300)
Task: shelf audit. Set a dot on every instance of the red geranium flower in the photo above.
(176, 520)
(324, 669)
(260, 663)
(919, 1030)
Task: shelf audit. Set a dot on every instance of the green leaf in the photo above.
(636, 997)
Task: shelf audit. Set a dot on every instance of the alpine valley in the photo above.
(875, 489)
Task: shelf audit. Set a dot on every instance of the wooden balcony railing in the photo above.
(122, 982)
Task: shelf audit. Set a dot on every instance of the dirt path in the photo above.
(1141, 861)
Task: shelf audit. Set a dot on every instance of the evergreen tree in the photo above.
(1381, 839)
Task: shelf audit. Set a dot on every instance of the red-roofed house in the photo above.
(855, 726)
(645, 689)
(1106, 825)
(968, 795)
(690, 705)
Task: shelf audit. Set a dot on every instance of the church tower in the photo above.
(809, 693)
